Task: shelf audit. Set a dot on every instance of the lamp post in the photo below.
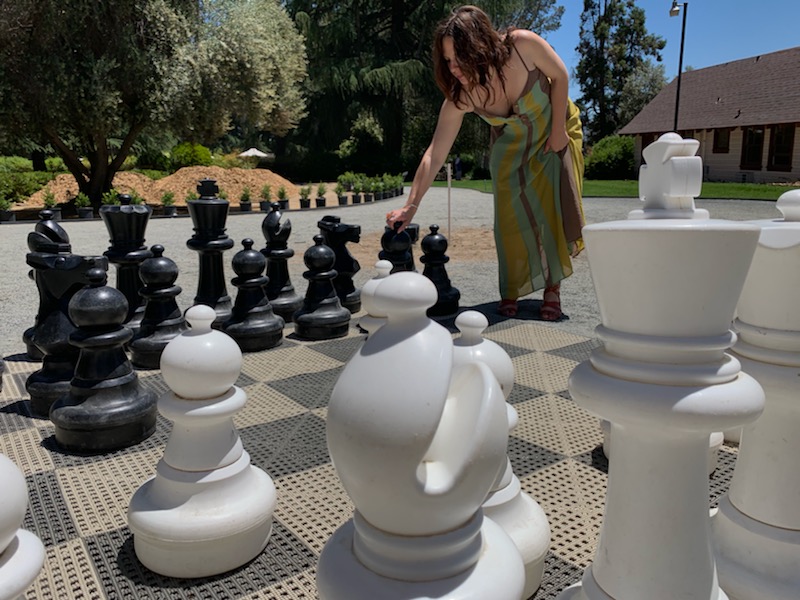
(674, 10)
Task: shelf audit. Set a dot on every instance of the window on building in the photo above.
(752, 148)
(781, 147)
(722, 141)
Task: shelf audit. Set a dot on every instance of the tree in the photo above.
(613, 43)
(90, 78)
(641, 86)
(371, 60)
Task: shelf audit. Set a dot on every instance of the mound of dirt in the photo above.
(231, 181)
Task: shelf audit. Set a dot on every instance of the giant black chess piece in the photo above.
(280, 291)
(396, 248)
(126, 224)
(434, 246)
(209, 215)
(50, 238)
(162, 320)
(58, 276)
(106, 407)
(253, 324)
(321, 317)
(336, 236)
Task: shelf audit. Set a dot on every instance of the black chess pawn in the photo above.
(162, 320)
(106, 407)
(322, 317)
(280, 291)
(434, 246)
(336, 236)
(397, 248)
(253, 324)
(50, 238)
(126, 224)
(209, 215)
(58, 277)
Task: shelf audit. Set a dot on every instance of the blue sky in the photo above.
(717, 31)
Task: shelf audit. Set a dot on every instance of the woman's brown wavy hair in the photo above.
(479, 48)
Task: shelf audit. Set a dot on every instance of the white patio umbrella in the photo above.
(254, 152)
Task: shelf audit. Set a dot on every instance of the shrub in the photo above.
(611, 158)
(168, 198)
(82, 200)
(339, 189)
(245, 195)
(15, 164)
(191, 195)
(55, 164)
(282, 193)
(18, 186)
(322, 189)
(266, 193)
(155, 160)
(305, 192)
(110, 197)
(49, 199)
(188, 154)
(5, 204)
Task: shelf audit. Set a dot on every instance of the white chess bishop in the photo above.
(207, 510)
(417, 443)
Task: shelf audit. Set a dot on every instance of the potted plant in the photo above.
(305, 196)
(283, 198)
(322, 189)
(84, 206)
(168, 202)
(266, 197)
(6, 214)
(369, 188)
(340, 194)
(358, 187)
(50, 204)
(110, 197)
(245, 203)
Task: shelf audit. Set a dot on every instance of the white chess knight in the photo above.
(757, 527)
(207, 510)
(516, 512)
(21, 552)
(417, 444)
(667, 282)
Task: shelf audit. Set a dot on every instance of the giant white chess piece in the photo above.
(371, 321)
(21, 552)
(417, 445)
(516, 512)
(667, 282)
(757, 527)
(207, 510)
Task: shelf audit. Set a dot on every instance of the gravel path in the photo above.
(476, 278)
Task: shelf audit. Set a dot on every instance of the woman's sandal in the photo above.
(551, 304)
(508, 308)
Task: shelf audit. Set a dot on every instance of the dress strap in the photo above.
(524, 64)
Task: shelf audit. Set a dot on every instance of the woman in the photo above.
(517, 83)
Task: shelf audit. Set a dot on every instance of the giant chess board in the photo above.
(78, 504)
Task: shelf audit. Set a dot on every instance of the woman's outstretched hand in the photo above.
(401, 215)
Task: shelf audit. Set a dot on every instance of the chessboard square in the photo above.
(98, 493)
(569, 412)
(533, 336)
(312, 390)
(299, 499)
(24, 448)
(281, 363)
(287, 446)
(341, 349)
(123, 576)
(540, 423)
(48, 515)
(527, 457)
(265, 404)
(153, 381)
(558, 575)
(594, 457)
(300, 587)
(67, 573)
(542, 371)
(579, 351)
(15, 415)
(523, 393)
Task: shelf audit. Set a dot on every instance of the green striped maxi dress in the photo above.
(537, 194)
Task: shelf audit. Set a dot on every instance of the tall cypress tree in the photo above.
(613, 44)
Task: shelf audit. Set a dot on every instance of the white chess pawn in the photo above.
(371, 321)
(21, 552)
(417, 444)
(207, 510)
(516, 512)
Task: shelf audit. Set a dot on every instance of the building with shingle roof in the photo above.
(745, 113)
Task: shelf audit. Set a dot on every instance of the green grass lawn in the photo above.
(630, 189)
